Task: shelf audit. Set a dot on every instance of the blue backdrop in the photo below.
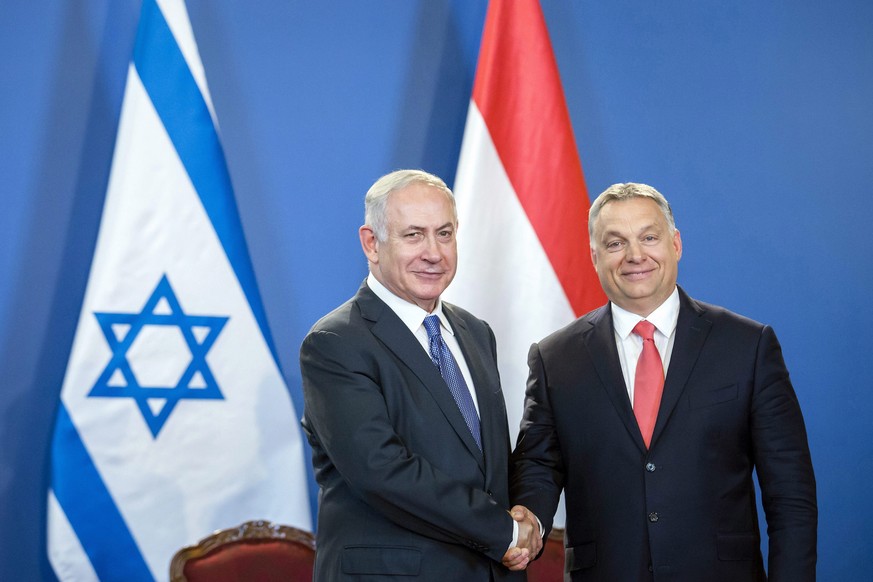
(753, 118)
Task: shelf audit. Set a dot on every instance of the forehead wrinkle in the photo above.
(616, 232)
(440, 227)
(627, 212)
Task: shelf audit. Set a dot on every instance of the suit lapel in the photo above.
(475, 358)
(691, 332)
(600, 341)
(391, 331)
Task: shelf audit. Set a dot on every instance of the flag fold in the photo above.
(174, 418)
(523, 259)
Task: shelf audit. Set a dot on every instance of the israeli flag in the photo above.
(174, 419)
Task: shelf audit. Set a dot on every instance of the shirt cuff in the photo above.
(515, 532)
(514, 535)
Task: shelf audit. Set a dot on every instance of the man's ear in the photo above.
(369, 243)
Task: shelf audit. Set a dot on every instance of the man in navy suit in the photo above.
(410, 486)
(668, 496)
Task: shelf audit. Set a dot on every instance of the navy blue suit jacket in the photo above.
(405, 491)
(685, 509)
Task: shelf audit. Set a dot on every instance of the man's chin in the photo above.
(429, 293)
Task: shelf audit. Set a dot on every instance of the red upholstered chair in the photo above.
(256, 551)
(549, 567)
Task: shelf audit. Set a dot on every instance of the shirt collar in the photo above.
(664, 318)
(410, 314)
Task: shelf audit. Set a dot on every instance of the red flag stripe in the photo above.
(518, 91)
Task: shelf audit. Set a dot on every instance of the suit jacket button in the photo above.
(653, 517)
(650, 467)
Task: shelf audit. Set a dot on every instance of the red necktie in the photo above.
(648, 381)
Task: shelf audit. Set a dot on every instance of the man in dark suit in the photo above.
(657, 472)
(412, 467)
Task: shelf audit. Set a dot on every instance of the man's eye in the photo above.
(446, 234)
(650, 238)
(614, 245)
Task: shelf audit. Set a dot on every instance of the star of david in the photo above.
(121, 330)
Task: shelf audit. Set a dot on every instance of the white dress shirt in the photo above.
(630, 345)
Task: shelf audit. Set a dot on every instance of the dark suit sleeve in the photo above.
(784, 467)
(536, 474)
(346, 412)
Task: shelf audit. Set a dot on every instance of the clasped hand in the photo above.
(530, 540)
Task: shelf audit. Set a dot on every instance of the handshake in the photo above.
(530, 539)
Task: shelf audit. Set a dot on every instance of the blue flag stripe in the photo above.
(80, 490)
(183, 111)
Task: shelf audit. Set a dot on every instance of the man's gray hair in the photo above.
(620, 192)
(376, 201)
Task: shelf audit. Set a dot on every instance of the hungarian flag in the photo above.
(523, 258)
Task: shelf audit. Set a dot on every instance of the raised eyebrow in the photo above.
(649, 228)
(414, 228)
(611, 234)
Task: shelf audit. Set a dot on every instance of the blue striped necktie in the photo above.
(451, 373)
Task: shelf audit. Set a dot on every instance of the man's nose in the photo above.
(634, 252)
(431, 250)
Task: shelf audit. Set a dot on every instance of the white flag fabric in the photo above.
(523, 257)
(174, 420)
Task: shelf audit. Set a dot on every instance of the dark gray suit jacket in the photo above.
(684, 510)
(405, 491)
